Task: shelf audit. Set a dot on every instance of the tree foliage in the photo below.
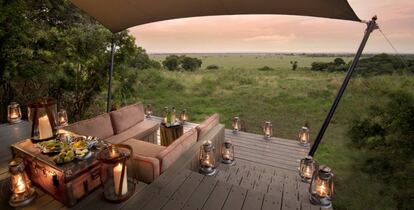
(50, 48)
(389, 132)
(174, 62)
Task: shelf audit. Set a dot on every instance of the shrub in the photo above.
(388, 132)
(266, 68)
(212, 67)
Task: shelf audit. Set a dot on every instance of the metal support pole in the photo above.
(111, 68)
(371, 26)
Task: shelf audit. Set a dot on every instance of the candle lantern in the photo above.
(148, 111)
(207, 159)
(116, 177)
(321, 187)
(306, 169)
(227, 153)
(267, 129)
(184, 116)
(236, 124)
(303, 136)
(42, 115)
(14, 114)
(22, 191)
(62, 118)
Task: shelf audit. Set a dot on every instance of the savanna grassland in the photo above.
(287, 98)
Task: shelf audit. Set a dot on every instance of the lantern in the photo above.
(236, 124)
(62, 118)
(118, 182)
(306, 169)
(42, 114)
(227, 153)
(184, 116)
(321, 187)
(22, 191)
(207, 159)
(303, 136)
(268, 129)
(14, 114)
(148, 111)
(166, 113)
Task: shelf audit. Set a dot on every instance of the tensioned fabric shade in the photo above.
(118, 15)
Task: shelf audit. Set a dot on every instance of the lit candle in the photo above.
(207, 161)
(113, 152)
(308, 172)
(45, 129)
(13, 114)
(227, 155)
(62, 120)
(21, 186)
(117, 179)
(321, 189)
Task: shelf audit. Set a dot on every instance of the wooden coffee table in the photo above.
(68, 182)
(170, 133)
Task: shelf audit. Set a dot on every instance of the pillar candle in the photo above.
(45, 129)
(117, 179)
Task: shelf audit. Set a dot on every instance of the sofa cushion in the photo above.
(126, 117)
(138, 131)
(206, 125)
(168, 156)
(99, 126)
(144, 148)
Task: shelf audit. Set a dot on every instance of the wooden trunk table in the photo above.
(170, 133)
(68, 182)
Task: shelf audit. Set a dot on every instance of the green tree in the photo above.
(189, 63)
(294, 65)
(339, 62)
(171, 62)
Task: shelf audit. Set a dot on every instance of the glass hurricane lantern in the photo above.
(14, 113)
(322, 187)
(207, 160)
(22, 191)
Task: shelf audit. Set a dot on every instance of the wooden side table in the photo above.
(170, 134)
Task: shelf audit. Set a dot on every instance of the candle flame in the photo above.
(321, 189)
(21, 185)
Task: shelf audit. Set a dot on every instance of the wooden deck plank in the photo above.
(218, 196)
(265, 146)
(179, 198)
(285, 155)
(253, 201)
(201, 194)
(272, 201)
(266, 155)
(165, 193)
(235, 198)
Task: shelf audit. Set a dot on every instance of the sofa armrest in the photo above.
(147, 169)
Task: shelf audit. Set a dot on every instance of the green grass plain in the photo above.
(288, 99)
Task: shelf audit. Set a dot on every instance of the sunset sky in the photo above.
(281, 33)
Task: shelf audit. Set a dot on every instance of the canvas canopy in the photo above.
(118, 15)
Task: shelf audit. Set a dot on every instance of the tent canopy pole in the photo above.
(111, 68)
(371, 26)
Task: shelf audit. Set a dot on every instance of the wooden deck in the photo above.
(263, 177)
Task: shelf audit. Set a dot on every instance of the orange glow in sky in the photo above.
(281, 33)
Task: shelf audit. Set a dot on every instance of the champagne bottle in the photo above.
(173, 115)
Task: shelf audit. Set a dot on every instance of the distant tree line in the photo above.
(375, 65)
(175, 62)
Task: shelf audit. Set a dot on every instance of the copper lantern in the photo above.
(227, 153)
(118, 182)
(14, 114)
(306, 169)
(42, 115)
(148, 111)
(268, 129)
(322, 187)
(62, 118)
(236, 124)
(303, 136)
(22, 191)
(207, 160)
(184, 116)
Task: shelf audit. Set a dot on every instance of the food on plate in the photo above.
(81, 153)
(80, 144)
(64, 157)
(50, 146)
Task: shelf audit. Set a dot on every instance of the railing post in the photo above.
(371, 26)
(111, 68)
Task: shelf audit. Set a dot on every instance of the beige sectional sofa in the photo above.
(129, 126)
